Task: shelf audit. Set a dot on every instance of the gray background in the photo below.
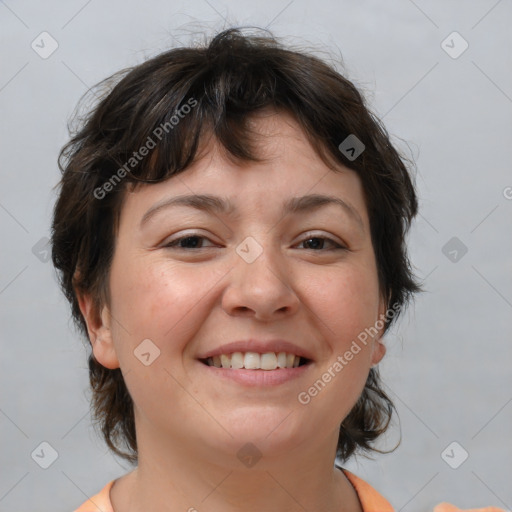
(448, 361)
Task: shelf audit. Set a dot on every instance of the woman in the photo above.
(230, 233)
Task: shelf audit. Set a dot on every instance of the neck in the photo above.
(178, 478)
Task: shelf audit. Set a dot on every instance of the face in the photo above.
(194, 286)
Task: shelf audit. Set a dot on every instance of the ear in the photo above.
(98, 328)
(379, 349)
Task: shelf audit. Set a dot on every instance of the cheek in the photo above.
(346, 300)
(345, 303)
(157, 300)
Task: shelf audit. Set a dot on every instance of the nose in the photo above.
(262, 289)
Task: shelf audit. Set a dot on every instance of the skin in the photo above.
(191, 425)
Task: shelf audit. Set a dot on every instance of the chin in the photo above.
(272, 431)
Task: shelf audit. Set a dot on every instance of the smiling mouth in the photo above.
(256, 361)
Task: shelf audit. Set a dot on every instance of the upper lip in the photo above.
(258, 346)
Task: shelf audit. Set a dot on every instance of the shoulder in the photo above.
(372, 501)
(100, 501)
(448, 507)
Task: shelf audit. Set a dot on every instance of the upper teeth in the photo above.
(255, 361)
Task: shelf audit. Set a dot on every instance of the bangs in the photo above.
(168, 107)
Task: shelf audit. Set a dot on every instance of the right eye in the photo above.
(191, 241)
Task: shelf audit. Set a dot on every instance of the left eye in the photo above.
(318, 242)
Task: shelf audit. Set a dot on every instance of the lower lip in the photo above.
(257, 377)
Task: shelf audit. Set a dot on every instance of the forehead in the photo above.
(289, 168)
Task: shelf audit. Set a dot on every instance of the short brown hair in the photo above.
(223, 82)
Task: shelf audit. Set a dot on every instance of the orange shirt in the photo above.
(371, 500)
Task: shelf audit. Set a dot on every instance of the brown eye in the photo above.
(187, 242)
(318, 242)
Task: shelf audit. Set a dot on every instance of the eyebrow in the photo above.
(218, 205)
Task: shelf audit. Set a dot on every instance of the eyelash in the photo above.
(173, 244)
